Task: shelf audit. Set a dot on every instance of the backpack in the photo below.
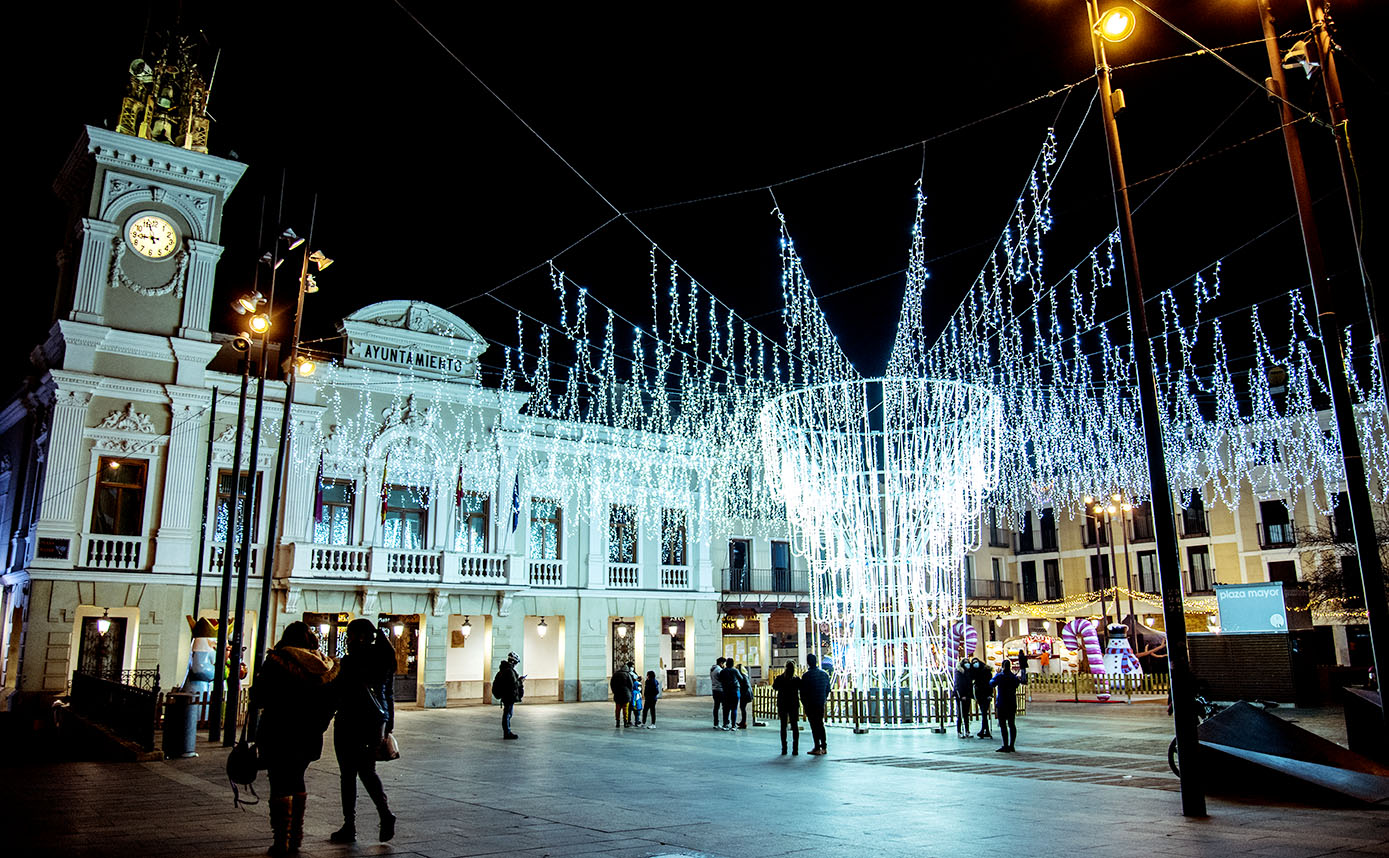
(520, 687)
(242, 764)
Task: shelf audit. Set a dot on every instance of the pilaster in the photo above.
(435, 661)
(197, 297)
(93, 270)
(60, 484)
(182, 481)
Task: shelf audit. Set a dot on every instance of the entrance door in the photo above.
(404, 632)
(739, 579)
(624, 643)
(102, 655)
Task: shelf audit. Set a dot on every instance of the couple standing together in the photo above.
(810, 690)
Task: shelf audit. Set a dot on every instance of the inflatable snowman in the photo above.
(201, 667)
(1119, 657)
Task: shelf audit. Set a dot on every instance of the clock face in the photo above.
(152, 236)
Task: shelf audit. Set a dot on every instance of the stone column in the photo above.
(591, 649)
(197, 293)
(507, 635)
(764, 645)
(800, 638)
(93, 270)
(183, 481)
(434, 657)
(597, 545)
(704, 566)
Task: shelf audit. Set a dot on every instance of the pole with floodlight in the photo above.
(1115, 25)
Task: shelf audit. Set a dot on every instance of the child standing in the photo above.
(652, 691)
(636, 704)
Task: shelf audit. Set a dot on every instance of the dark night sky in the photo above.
(429, 188)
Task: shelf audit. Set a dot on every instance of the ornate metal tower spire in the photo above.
(166, 101)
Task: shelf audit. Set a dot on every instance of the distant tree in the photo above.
(1330, 566)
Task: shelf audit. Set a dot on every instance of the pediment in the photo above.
(413, 337)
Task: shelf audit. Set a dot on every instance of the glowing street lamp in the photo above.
(1116, 24)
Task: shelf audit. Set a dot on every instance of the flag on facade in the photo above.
(385, 491)
(458, 492)
(318, 492)
(516, 502)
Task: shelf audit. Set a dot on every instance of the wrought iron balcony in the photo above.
(766, 581)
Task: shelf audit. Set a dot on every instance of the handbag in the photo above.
(242, 765)
(389, 749)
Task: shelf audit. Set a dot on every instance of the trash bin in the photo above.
(180, 725)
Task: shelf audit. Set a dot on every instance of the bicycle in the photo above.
(1204, 709)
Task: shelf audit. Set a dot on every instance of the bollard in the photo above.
(180, 725)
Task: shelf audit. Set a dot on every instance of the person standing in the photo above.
(1022, 668)
(787, 686)
(964, 698)
(979, 673)
(1006, 686)
(506, 687)
(621, 685)
(292, 692)
(717, 685)
(634, 707)
(815, 690)
(365, 696)
(744, 697)
(728, 677)
(652, 692)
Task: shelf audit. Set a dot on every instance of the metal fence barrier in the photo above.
(1090, 684)
(128, 710)
(865, 708)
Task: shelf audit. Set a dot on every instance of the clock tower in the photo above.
(130, 344)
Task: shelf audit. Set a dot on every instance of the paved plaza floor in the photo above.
(1089, 780)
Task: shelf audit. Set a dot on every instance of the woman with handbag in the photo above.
(292, 694)
(365, 696)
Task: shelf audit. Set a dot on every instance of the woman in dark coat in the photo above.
(788, 706)
(365, 696)
(622, 695)
(292, 694)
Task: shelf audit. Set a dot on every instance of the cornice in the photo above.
(159, 160)
(96, 385)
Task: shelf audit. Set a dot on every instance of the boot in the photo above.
(387, 825)
(296, 820)
(346, 834)
(279, 825)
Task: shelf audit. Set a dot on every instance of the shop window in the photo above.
(473, 508)
(222, 516)
(119, 506)
(545, 532)
(332, 523)
(404, 517)
(622, 534)
(673, 538)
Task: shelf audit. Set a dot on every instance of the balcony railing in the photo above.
(1283, 535)
(1195, 523)
(766, 581)
(546, 573)
(368, 563)
(104, 551)
(624, 576)
(675, 577)
(988, 588)
(1028, 543)
(1093, 585)
(217, 554)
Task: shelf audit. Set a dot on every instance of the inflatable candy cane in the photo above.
(1082, 631)
(958, 632)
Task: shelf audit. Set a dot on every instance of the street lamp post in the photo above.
(1343, 410)
(214, 731)
(297, 367)
(1169, 571)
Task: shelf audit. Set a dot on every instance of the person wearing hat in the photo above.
(506, 687)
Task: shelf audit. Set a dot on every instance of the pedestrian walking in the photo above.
(652, 692)
(508, 686)
(815, 690)
(787, 686)
(717, 686)
(980, 675)
(621, 685)
(744, 697)
(1006, 684)
(729, 679)
(292, 694)
(364, 693)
